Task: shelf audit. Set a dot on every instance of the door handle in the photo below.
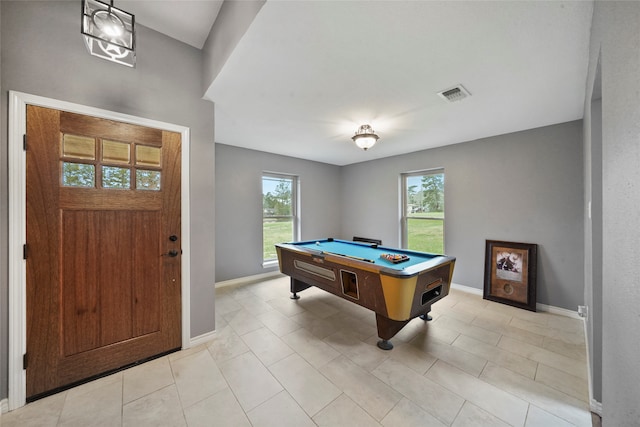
(172, 253)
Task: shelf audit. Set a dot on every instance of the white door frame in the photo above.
(17, 225)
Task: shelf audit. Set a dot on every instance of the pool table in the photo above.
(397, 284)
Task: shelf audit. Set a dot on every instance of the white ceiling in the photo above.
(307, 73)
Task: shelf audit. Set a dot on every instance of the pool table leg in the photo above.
(385, 344)
(297, 286)
(426, 315)
(387, 328)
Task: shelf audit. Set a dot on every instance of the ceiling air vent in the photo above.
(456, 93)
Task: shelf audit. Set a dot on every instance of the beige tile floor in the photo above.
(313, 362)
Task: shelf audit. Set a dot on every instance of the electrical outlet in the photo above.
(583, 311)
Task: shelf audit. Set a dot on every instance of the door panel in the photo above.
(102, 200)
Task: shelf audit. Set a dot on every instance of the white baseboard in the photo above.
(467, 289)
(559, 311)
(539, 307)
(201, 339)
(595, 407)
(4, 406)
(248, 279)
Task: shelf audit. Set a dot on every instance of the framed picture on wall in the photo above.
(510, 273)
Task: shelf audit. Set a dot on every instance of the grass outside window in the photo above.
(426, 235)
(275, 231)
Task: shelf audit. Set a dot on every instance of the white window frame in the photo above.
(404, 228)
(295, 191)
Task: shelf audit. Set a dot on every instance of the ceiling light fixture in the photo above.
(108, 32)
(365, 137)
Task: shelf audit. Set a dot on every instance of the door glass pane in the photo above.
(116, 152)
(425, 235)
(113, 177)
(148, 156)
(80, 147)
(78, 175)
(148, 180)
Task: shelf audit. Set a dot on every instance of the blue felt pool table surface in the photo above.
(366, 251)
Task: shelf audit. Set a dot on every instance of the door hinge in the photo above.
(24, 361)
(24, 251)
(24, 142)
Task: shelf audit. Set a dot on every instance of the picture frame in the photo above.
(510, 273)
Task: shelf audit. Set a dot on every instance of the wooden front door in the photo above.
(103, 246)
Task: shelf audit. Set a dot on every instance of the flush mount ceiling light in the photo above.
(365, 138)
(108, 32)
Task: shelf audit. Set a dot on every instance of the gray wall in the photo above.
(521, 187)
(239, 205)
(615, 40)
(232, 22)
(43, 54)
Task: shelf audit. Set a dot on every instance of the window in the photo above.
(423, 211)
(279, 213)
